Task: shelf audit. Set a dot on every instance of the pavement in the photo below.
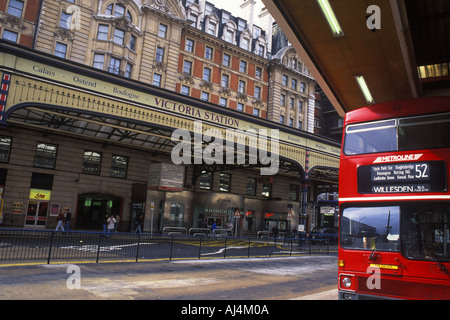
(323, 295)
(210, 281)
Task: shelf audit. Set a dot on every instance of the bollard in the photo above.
(200, 248)
(225, 251)
(51, 246)
(137, 247)
(98, 247)
(171, 248)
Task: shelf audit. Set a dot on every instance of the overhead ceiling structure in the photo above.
(365, 52)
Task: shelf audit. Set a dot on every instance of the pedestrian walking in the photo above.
(68, 221)
(60, 220)
(214, 227)
(110, 225)
(104, 223)
(138, 223)
(275, 232)
(116, 225)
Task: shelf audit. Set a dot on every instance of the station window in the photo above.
(225, 182)
(266, 190)
(185, 90)
(209, 53)
(189, 45)
(257, 92)
(118, 10)
(226, 60)
(102, 32)
(61, 50)
(241, 87)
(187, 67)
(223, 102)
(258, 72)
(114, 65)
(303, 87)
(119, 36)
(294, 192)
(133, 40)
(204, 96)
(10, 36)
(300, 106)
(45, 156)
(225, 80)
(162, 33)
(243, 66)
(99, 61)
(206, 180)
(251, 186)
(65, 21)
(294, 84)
(128, 70)
(5, 147)
(207, 74)
(119, 165)
(157, 80)
(15, 8)
(160, 54)
(91, 162)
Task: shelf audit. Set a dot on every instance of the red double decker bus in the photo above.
(394, 198)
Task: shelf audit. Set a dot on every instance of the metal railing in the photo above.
(44, 246)
(174, 230)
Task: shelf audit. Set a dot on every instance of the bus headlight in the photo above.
(346, 282)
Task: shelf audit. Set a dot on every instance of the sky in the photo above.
(233, 6)
(229, 5)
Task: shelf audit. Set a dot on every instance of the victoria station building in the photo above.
(101, 99)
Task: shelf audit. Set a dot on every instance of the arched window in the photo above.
(118, 10)
(115, 24)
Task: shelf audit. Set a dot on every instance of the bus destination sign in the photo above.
(410, 177)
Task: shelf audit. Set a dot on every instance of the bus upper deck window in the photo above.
(424, 132)
(379, 136)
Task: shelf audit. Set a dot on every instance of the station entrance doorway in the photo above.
(93, 207)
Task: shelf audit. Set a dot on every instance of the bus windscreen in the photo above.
(420, 231)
